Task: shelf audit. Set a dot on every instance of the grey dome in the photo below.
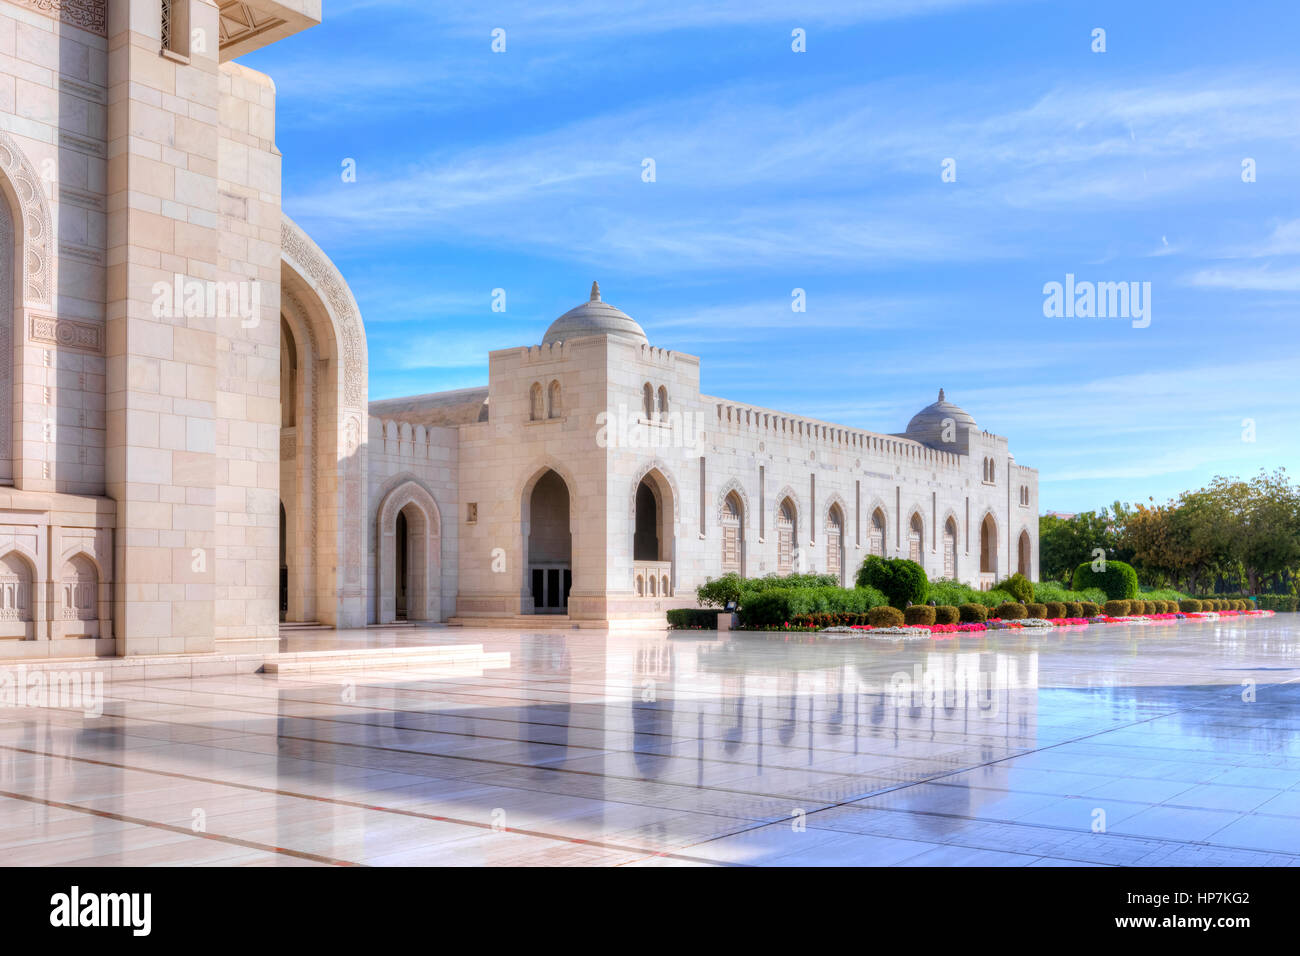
(927, 425)
(594, 318)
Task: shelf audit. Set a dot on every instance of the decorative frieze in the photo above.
(88, 15)
(67, 333)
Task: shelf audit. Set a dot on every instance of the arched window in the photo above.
(877, 541)
(733, 534)
(648, 400)
(536, 403)
(663, 403)
(915, 535)
(785, 537)
(1025, 550)
(554, 408)
(835, 542)
(950, 549)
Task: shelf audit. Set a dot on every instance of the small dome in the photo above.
(927, 426)
(594, 318)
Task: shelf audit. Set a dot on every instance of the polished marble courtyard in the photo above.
(1175, 744)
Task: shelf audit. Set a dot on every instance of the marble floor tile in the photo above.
(749, 753)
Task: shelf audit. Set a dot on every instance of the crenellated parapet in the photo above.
(808, 432)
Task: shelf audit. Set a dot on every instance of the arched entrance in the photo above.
(323, 431)
(950, 549)
(1024, 554)
(915, 539)
(410, 555)
(653, 538)
(876, 542)
(835, 542)
(988, 552)
(732, 519)
(787, 530)
(548, 544)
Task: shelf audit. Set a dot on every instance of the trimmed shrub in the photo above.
(902, 582)
(1074, 609)
(732, 587)
(719, 591)
(973, 613)
(1038, 611)
(1189, 605)
(1019, 587)
(681, 618)
(946, 614)
(1090, 608)
(921, 614)
(1055, 609)
(1010, 611)
(1117, 608)
(950, 592)
(1118, 580)
(775, 606)
(885, 616)
(1240, 605)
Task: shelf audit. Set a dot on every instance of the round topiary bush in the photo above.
(1189, 605)
(1055, 609)
(1074, 609)
(1036, 611)
(921, 614)
(973, 613)
(902, 582)
(1010, 611)
(1117, 608)
(885, 616)
(1117, 579)
(1090, 608)
(1148, 607)
(946, 614)
(1240, 605)
(1019, 587)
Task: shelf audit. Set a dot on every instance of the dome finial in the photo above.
(941, 395)
(595, 292)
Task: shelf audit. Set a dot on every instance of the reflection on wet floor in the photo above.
(1174, 744)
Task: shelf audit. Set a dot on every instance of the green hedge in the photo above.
(1036, 611)
(1010, 611)
(1118, 580)
(946, 614)
(973, 613)
(1117, 608)
(1055, 609)
(732, 587)
(682, 618)
(902, 582)
(776, 606)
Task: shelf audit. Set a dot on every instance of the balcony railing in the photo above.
(652, 578)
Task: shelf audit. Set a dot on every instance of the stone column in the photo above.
(161, 388)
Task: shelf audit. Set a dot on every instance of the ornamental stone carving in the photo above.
(37, 231)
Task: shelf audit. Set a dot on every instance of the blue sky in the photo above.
(821, 170)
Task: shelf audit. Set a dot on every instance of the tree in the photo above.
(1261, 523)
